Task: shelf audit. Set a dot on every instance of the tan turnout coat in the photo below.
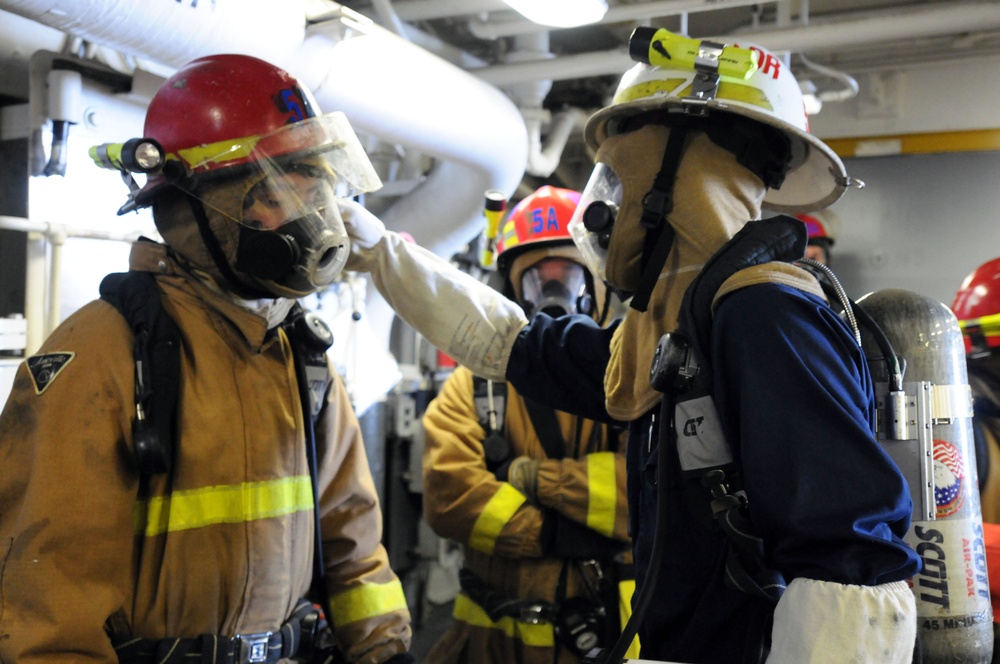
(500, 532)
(224, 543)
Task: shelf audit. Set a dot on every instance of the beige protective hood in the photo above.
(714, 197)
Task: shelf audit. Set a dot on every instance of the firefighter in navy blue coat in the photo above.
(698, 138)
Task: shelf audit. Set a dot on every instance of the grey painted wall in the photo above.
(922, 223)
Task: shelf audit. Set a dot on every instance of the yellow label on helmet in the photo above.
(676, 52)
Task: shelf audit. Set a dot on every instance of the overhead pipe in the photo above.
(879, 27)
(386, 86)
(474, 130)
(543, 156)
(873, 28)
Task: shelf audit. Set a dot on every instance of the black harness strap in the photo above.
(499, 606)
(310, 338)
(656, 206)
(156, 349)
(546, 425)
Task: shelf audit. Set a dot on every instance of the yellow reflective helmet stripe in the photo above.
(540, 635)
(728, 91)
(989, 325)
(509, 233)
(498, 511)
(603, 492)
(369, 600)
(626, 589)
(237, 503)
(220, 152)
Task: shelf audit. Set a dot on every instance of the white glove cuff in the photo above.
(823, 622)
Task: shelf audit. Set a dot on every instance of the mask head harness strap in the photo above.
(656, 205)
(218, 255)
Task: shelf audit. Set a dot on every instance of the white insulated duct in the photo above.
(387, 87)
(403, 94)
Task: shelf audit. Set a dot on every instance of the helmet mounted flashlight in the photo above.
(136, 155)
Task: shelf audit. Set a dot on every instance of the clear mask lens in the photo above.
(555, 286)
(291, 230)
(594, 218)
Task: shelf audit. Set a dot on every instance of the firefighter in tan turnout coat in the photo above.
(537, 498)
(103, 560)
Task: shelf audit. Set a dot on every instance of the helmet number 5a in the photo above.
(291, 105)
(540, 222)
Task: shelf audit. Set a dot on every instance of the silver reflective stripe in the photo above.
(700, 443)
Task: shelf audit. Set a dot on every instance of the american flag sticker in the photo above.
(949, 478)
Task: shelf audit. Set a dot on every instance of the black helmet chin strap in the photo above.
(656, 205)
(219, 257)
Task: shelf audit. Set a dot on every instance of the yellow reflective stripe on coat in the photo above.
(540, 635)
(237, 503)
(369, 600)
(501, 508)
(626, 589)
(603, 490)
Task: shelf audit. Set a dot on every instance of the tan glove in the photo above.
(522, 474)
(468, 320)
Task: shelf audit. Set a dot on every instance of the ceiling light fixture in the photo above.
(560, 13)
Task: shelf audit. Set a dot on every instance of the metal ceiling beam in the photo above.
(884, 27)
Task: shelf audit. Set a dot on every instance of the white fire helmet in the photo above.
(770, 94)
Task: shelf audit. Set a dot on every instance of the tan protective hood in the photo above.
(175, 221)
(714, 197)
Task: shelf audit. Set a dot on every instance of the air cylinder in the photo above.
(925, 423)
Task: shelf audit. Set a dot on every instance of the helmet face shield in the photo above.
(329, 137)
(292, 240)
(555, 286)
(594, 218)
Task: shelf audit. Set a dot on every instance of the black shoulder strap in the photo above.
(546, 425)
(310, 337)
(156, 350)
(780, 238)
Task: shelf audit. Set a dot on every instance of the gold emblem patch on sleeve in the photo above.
(45, 368)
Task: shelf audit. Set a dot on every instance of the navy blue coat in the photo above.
(795, 398)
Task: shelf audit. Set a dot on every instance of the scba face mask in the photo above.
(289, 238)
(556, 286)
(291, 234)
(595, 217)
